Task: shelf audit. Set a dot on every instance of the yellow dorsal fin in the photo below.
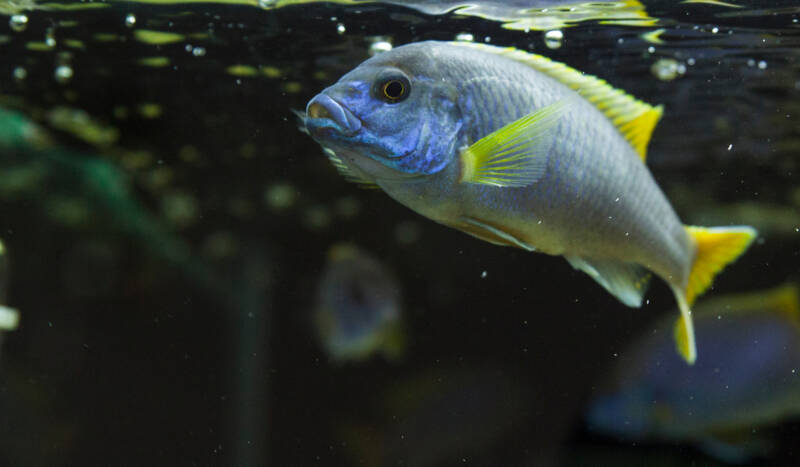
(633, 118)
(716, 247)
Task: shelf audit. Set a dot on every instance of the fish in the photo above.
(748, 378)
(519, 150)
(358, 310)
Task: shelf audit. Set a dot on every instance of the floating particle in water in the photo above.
(199, 51)
(179, 208)
(651, 49)
(484, 274)
(730, 146)
(130, 20)
(714, 30)
(762, 65)
(63, 73)
(317, 217)
(691, 61)
(379, 46)
(340, 28)
(407, 232)
(751, 62)
(553, 39)
(348, 207)
(667, 69)
(18, 23)
(50, 38)
(465, 37)
(219, 245)
(20, 73)
(149, 110)
(266, 4)
(292, 87)
(280, 196)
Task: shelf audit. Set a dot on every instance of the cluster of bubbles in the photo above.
(667, 69)
(18, 23)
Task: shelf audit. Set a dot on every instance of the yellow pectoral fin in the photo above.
(515, 155)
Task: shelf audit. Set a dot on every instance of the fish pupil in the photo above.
(393, 90)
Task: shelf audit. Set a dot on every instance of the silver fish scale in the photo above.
(596, 200)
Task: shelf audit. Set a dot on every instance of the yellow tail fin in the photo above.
(716, 247)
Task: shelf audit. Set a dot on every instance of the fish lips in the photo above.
(323, 112)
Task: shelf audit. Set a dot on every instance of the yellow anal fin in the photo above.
(515, 155)
(716, 247)
(684, 329)
(633, 118)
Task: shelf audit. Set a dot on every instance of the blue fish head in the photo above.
(392, 117)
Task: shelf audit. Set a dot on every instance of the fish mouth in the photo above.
(324, 112)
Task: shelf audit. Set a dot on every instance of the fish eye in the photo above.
(393, 88)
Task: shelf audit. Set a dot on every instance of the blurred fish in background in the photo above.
(442, 417)
(747, 378)
(358, 310)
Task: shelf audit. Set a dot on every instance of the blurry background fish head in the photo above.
(632, 413)
(392, 117)
(358, 306)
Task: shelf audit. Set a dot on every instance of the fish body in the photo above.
(358, 311)
(748, 376)
(520, 151)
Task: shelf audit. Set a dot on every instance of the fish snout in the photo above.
(324, 107)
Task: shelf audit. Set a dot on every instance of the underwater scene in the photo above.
(399, 233)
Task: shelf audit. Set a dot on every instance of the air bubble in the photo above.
(18, 23)
(762, 65)
(379, 46)
(63, 73)
(340, 28)
(714, 30)
(199, 51)
(465, 37)
(20, 73)
(553, 39)
(130, 20)
(667, 69)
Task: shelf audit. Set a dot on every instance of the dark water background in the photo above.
(154, 333)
